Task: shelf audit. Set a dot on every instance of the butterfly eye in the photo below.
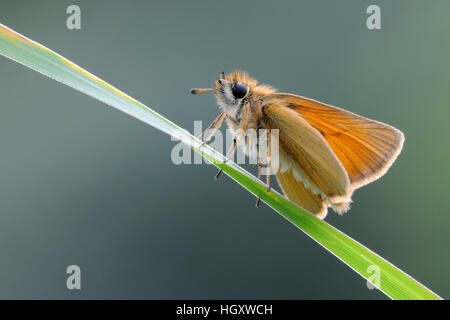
(239, 90)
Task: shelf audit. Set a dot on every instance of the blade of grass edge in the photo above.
(395, 283)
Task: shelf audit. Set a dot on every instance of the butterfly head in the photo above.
(233, 90)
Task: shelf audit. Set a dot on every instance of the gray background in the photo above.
(81, 183)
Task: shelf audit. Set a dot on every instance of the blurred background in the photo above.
(84, 184)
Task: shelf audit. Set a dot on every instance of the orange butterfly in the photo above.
(325, 152)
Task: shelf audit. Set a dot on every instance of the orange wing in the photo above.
(297, 192)
(366, 148)
(307, 153)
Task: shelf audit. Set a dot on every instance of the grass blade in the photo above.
(393, 282)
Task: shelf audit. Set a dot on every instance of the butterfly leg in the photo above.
(243, 130)
(230, 151)
(259, 164)
(217, 123)
(269, 158)
(258, 201)
(269, 165)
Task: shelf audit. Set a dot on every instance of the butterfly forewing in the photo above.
(366, 148)
(318, 167)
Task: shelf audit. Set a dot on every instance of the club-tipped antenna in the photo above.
(197, 91)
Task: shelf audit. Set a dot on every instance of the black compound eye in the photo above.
(239, 90)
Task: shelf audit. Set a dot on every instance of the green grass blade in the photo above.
(393, 282)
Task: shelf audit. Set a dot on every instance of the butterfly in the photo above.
(325, 152)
